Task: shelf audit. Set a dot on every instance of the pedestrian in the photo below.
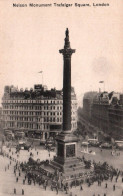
(51, 187)
(106, 185)
(71, 185)
(23, 181)
(66, 190)
(57, 190)
(89, 184)
(14, 191)
(17, 179)
(81, 188)
(19, 173)
(114, 187)
(45, 185)
(99, 182)
(37, 152)
(22, 191)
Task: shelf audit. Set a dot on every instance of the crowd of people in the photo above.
(34, 174)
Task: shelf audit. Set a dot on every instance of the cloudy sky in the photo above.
(30, 39)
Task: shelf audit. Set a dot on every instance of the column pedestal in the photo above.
(66, 160)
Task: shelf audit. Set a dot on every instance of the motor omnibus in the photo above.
(9, 134)
(119, 144)
(19, 135)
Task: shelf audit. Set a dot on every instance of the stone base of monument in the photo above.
(66, 160)
(72, 165)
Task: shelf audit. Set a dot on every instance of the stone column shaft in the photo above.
(67, 52)
(67, 94)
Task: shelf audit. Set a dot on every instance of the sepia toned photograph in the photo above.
(61, 98)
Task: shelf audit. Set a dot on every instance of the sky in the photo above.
(31, 38)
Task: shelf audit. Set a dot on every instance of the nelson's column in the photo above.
(66, 159)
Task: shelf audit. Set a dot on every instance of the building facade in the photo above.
(87, 103)
(105, 111)
(36, 111)
(116, 121)
(99, 113)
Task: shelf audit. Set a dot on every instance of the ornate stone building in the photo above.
(106, 112)
(36, 111)
(116, 119)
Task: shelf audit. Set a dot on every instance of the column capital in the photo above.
(67, 52)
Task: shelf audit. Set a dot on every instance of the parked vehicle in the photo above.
(94, 143)
(106, 145)
(85, 144)
(19, 134)
(23, 146)
(9, 135)
(119, 144)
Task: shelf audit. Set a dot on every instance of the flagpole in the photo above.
(42, 79)
(41, 72)
(104, 86)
